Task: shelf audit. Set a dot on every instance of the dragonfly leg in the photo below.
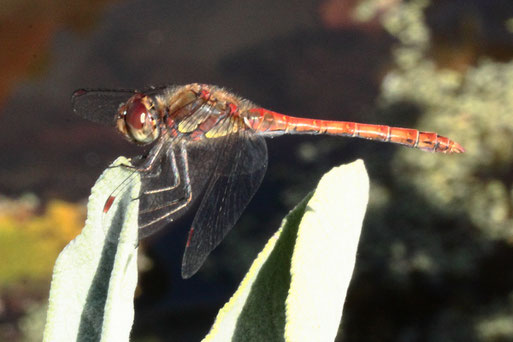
(143, 171)
(149, 161)
(176, 177)
(166, 210)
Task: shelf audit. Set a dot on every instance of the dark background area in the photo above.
(307, 58)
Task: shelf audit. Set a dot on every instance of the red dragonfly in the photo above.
(208, 145)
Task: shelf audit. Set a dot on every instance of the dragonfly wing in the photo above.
(99, 106)
(240, 165)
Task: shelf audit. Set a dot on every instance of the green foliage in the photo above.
(443, 224)
(473, 108)
(295, 288)
(30, 242)
(94, 279)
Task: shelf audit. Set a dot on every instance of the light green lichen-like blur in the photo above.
(509, 24)
(473, 108)
(30, 241)
(447, 217)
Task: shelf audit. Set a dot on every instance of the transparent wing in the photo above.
(101, 105)
(240, 163)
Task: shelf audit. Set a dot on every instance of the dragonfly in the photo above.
(208, 147)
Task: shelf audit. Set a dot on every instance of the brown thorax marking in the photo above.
(223, 101)
(214, 96)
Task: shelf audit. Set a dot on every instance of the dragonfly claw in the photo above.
(456, 148)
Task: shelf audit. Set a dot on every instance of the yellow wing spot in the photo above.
(217, 132)
(186, 127)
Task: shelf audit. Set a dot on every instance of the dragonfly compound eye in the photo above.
(137, 121)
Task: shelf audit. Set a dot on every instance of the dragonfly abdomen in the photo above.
(272, 123)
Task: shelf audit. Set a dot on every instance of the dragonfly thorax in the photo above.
(137, 120)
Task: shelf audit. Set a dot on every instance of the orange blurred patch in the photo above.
(27, 28)
(340, 14)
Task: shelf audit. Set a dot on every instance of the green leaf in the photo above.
(296, 287)
(294, 290)
(94, 278)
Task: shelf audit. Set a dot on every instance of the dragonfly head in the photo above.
(137, 120)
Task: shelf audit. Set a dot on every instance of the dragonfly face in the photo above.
(138, 120)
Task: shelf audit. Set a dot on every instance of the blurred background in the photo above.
(435, 260)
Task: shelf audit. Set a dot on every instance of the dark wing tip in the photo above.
(75, 96)
(191, 261)
(190, 267)
(187, 274)
(78, 93)
(99, 105)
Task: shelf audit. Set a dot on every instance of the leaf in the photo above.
(94, 278)
(296, 287)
